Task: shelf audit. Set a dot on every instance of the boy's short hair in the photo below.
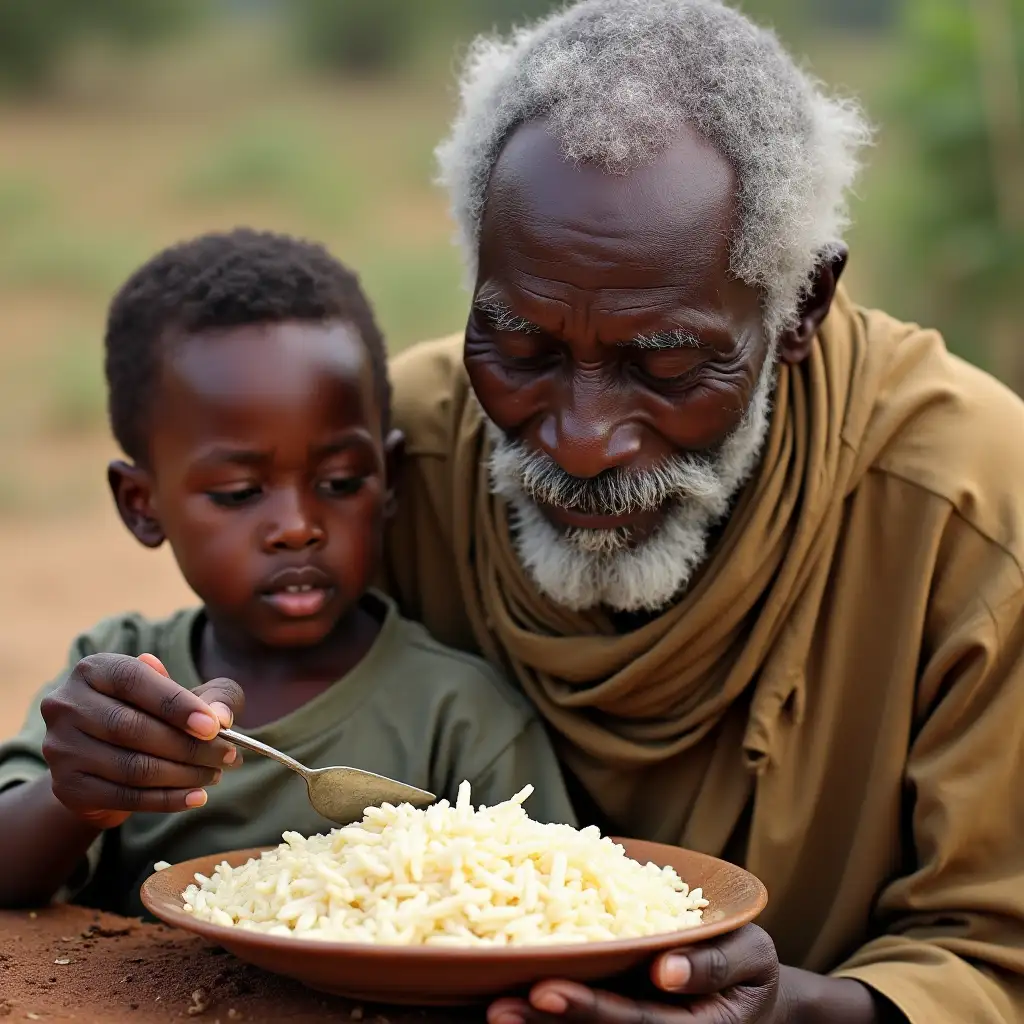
(219, 280)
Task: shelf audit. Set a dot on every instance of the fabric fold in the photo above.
(836, 704)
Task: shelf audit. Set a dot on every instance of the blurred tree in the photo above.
(800, 21)
(33, 38)
(138, 24)
(37, 35)
(957, 114)
(789, 18)
(358, 36)
(503, 14)
(378, 36)
(864, 15)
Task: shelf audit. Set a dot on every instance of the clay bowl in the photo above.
(426, 976)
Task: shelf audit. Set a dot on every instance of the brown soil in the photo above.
(67, 963)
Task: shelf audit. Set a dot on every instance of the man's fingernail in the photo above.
(223, 712)
(550, 1002)
(230, 756)
(675, 972)
(508, 1017)
(216, 777)
(203, 725)
(197, 798)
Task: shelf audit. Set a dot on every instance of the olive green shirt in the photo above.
(411, 709)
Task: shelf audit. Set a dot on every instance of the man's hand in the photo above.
(121, 736)
(733, 980)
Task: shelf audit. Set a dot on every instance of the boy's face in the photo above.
(268, 475)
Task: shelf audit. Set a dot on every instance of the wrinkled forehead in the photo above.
(674, 216)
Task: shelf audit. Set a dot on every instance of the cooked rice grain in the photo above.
(450, 876)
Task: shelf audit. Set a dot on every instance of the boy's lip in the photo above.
(297, 576)
(298, 592)
(300, 604)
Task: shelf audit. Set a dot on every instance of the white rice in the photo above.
(450, 876)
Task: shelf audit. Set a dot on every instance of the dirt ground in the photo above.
(71, 964)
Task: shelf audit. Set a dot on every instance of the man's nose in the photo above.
(294, 525)
(589, 431)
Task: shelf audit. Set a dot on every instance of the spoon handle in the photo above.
(249, 743)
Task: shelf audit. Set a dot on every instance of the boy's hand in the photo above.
(121, 736)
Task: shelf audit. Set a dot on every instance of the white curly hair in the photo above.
(615, 78)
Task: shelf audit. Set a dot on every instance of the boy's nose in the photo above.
(294, 529)
(297, 539)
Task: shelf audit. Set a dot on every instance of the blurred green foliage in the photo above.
(72, 378)
(275, 158)
(370, 37)
(957, 248)
(47, 255)
(798, 21)
(358, 36)
(22, 202)
(938, 240)
(37, 35)
(415, 291)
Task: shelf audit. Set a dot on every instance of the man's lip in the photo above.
(570, 517)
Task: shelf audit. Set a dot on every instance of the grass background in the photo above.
(220, 130)
(131, 152)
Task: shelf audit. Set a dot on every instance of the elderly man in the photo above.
(755, 553)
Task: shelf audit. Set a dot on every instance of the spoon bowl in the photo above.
(339, 794)
(343, 794)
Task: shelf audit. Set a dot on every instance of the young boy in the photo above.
(248, 388)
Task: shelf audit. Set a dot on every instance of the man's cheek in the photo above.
(708, 412)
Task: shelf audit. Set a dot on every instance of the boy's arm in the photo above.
(42, 845)
(117, 738)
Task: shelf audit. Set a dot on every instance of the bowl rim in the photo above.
(226, 936)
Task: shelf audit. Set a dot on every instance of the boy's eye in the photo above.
(234, 499)
(341, 486)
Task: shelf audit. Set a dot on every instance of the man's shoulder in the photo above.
(961, 437)
(425, 381)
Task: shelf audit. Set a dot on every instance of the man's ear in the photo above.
(132, 489)
(394, 458)
(795, 343)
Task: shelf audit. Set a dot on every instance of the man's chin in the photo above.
(580, 569)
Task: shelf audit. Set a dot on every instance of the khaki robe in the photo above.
(838, 700)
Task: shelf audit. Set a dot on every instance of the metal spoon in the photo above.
(339, 794)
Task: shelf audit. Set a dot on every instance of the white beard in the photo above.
(581, 568)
